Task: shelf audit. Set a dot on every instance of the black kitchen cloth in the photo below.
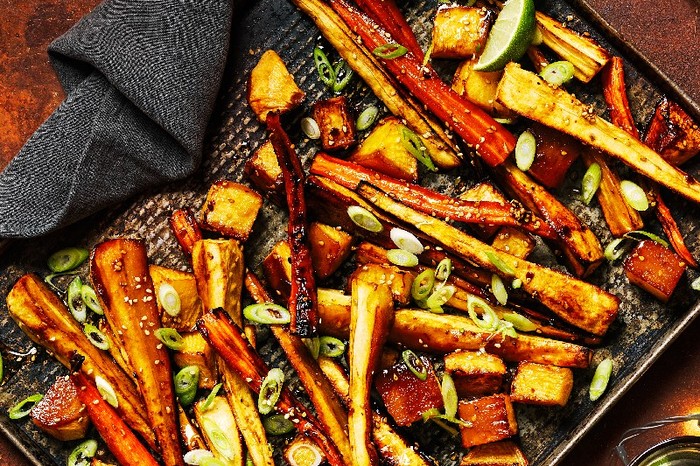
(141, 79)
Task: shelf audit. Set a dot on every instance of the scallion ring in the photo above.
(324, 67)
(96, 336)
(488, 320)
(641, 235)
(219, 439)
(304, 454)
(367, 117)
(267, 313)
(443, 269)
(90, 299)
(314, 346)
(270, 390)
(75, 300)
(49, 279)
(170, 338)
(499, 290)
(343, 75)
(440, 295)
(186, 382)
(520, 322)
(19, 410)
(415, 364)
(331, 347)
(83, 453)
(695, 285)
(169, 299)
(423, 285)
(210, 398)
(406, 240)
(365, 219)
(616, 249)
(195, 457)
(525, 150)
(310, 128)
(416, 148)
(107, 391)
(517, 283)
(390, 51)
(634, 195)
(600, 379)
(558, 73)
(498, 262)
(590, 183)
(278, 424)
(67, 259)
(449, 395)
(401, 258)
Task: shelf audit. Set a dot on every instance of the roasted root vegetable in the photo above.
(330, 247)
(195, 351)
(119, 272)
(503, 453)
(278, 269)
(460, 31)
(513, 241)
(555, 154)
(220, 431)
(60, 413)
(480, 87)
(335, 122)
(615, 93)
(475, 373)
(263, 170)
(675, 237)
(218, 270)
(673, 133)
(186, 229)
(191, 437)
(230, 209)
(540, 384)
(399, 281)
(654, 268)
(487, 419)
(387, 14)
(271, 88)
(180, 307)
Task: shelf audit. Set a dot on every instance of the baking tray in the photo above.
(642, 332)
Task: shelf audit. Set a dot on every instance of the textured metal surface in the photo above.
(642, 331)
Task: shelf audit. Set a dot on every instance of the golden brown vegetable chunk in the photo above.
(278, 268)
(504, 453)
(186, 229)
(196, 351)
(672, 133)
(60, 413)
(190, 436)
(330, 247)
(538, 384)
(490, 419)
(475, 373)
(556, 152)
(460, 31)
(186, 288)
(264, 171)
(480, 87)
(218, 269)
(513, 241)
(335, 122)
(271, 88)
(654, 268)
(399, 281)
(231, 209)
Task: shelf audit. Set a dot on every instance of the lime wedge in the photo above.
(510, 35)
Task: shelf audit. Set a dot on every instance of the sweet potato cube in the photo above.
(231, 209)
(60, 413)
(539, 384)
(278, 268)
(335, 122)
(556, 152)
(480, 87)
(654, 268)
(263, 170)
(399, 281)
(196, 351)
(514, 241)
(384, 151)
(405, 396)
(673, 133)
(504, 453)
(186, 287)
(330, 247)
(460, 31)
(475, 373)
(490, 419)
(271, 88)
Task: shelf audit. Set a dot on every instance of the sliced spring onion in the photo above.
(314, 346)
(506, 329)
(406, 240)
(304, 454)
(331, 346)
(107, 391)
(428, 53)
(590, 183)
(90, 299)
(75, 300)
(67, 259)
(195, 457)
(415, 364)
(367, 117)
(443, 269)
(169, 299)
(440, 295)
(390, 51)
(170, 338)
(449, 395)
(517, 283)
(96, 337)
(505, 121)
(695, 285)
(496, 260)
(634, 195)
(525, 150)
(210, 398)
(267, 313)
(402, 258)
(641, 235)
(499, 290)
(558, 73)
(363, 218)
(488, 320)
(49, 279)
(19, 410)
(270, 390)
(186, 384)
(83, 453)
(310, 128)
(415, 147)
(343, 75)
(520, 322)
(616, 249)
(423, 285)
(600, 379)
(277, 424)
(219, 439)
(324, 67)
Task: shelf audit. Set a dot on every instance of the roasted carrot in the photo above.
(675, 237)
(186, 229)
(614, 92)
(387, 14)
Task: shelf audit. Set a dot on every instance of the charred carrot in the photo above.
(675, 237)
(615, 94)
(186, 229)
(388, 15)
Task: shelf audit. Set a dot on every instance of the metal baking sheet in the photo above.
(642, 331)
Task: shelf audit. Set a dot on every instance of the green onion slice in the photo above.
(517, 283)
(440, 295)
(169, 299)
(196, 456)
(694, 285)
(505, 121)
(558, 73)
(89, 297)
(314, 346)
(343, 75)
(19, 411)
(363, 218)
(488, 320)
(49, 279)
(423, 285)
(520, 322)
(415, 364)
(107, 391)
(641, 235)
(83, 453)
(525, 150)
(278, 424)
(75, 300)
(267, 313)
(270, 390)
(186, 382)
(67, 259)
(406, 240)
(415, 147)
(497, 262)
(499, 290)
(449, 395)
(634, 195)
(96, 337)
(600, 379)
(428, 53)
(219, 439)
(170, 338)
(309, 453)
(616, 249)
(324, 67)
(390, 51)
(590, 183)
(367, 117)
(310, 128)
(210, 398)
(402, 258)
(331, 347)
(443, 270)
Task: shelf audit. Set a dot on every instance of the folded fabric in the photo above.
(141, 79)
